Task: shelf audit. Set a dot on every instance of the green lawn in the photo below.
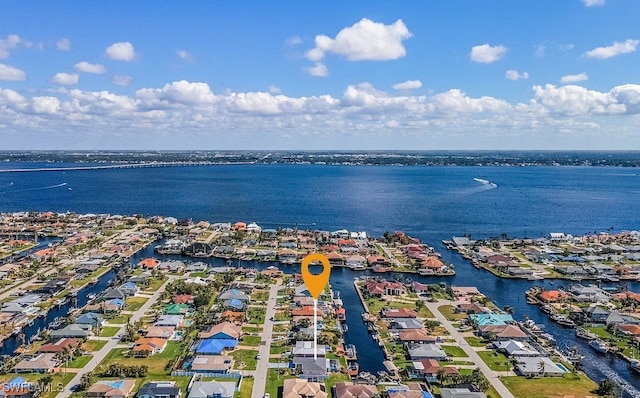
(80, 362)
(475, 341)
(335, 378)
(245, 388)
(118, 319)
(275, 380)
(250, 340)
(251, 329)
(495, 360)
(425, 313)
(278, 349)
(134, 303)
(60, 380)
(156, 363)
(93, 345)
(542, 387)
(454, 351)
(256, 315)
(248, 357)
(449, 312)
(109, 331)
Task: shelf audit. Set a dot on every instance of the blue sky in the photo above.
(543, 74)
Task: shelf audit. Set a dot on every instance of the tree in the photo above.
(86, 381)
(607, 388)
(541, 368)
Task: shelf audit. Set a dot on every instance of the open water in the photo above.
(431, 203)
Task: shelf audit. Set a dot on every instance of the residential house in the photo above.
(160, 332)
(400, 313)
(163, 389)
(169, 320)
(74, 330)
(425, 351)
(429, 368)
(176, 309)
(18, 387)
(90, 318)
(513, 348)
(146, 346)
(383, 288)
(305, 349)
(60, 345)
(350, 390)
(415, 336)
(460, 393)
(183, 299)
(215, 346)
(224, 330)
(212, 389)
(312, 369)
(511, 332)
(41, 363)
(211, 364)
(111, 388)
(595, 314)
(396, 324)
(301, 388)
(553, 296)
(538, 366)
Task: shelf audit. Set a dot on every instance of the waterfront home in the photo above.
(415, 336)
(511, 332)
(160, 332)
(231, 316)
(469, 308)
(381, 288)
(465, 292)
(159, 389)
(149, 263)
(215, 346)
(595, 314)
(591, 293)
(407, 390)
(173, 266)
(429, 368)
(460, 393)
(311, 369)
(287, 256)
(305, 349)
(211, 364)
(211, 389)
(425, 351)
(614, 318)
(60, 345)
(90, 318)
(553, 296)
(113, 305)
(306, 311)
(74, 330)
(301, 388)
(224, 330)
(169, 320)
(145, 346)
(347, 389)
(538, 366)
(196, 267)
(396, 324)
(232, 294)
(418, 287)
(41, 363)
(629, 330)
(485, 319)
(122, 388)
(513, 348)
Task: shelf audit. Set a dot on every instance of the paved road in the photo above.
(112, 343)
(262, 369)
(471, 353)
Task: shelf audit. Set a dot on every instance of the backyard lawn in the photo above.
(245, 388)
(449, 312)
(109, 331)
(571, 384)
(495, 360)
(134, 303)
(93, 345)
(250, 340)
(454, 351)
(248, 357)
(80, 362)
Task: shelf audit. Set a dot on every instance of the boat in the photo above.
(57, 323)
(350, 352)
(17, 330)
(172, 246)
(91, 296)
(562, 320)
(353, 368)
(93, 281)
(634, 365)
(547, 309)
(344, 327)
(599, 345)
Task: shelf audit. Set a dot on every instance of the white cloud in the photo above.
(293, 41)
(577, 100)
(486, 54)
(365, 40)
(574, 78)
(318, 70)
(408, 85)
(182, 92)
(10, 43)
(184, 55)
(9, 73)
(86, 67)
(121, 80)
(273, 89)
(515, 75)
(593, 3)
(65, 79)
(63, 45)
(48, 105)
(617, 48)
(121, 51)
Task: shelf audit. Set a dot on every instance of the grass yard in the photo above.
(278, 349)
(250, 340)
(245, 388)
(60, 380)
(80, 362)
(93, 345)
(257, 315)
(454, 351)
(134, 303)
(425, 313)
(251, 329)
(275, 381)
(543, 387)
(118, 320)
(495, 362)
(156, 362)
(248, 357)
(475, 341)
(109, 331)
(449, 312)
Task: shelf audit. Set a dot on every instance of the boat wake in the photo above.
(486, 183)
(36, 189)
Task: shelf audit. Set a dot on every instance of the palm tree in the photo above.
(541, 368)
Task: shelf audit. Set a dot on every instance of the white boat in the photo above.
(599, 345)
(634, 365)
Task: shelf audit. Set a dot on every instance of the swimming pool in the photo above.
(561, 366)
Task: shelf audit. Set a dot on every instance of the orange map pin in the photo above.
(315, 283)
